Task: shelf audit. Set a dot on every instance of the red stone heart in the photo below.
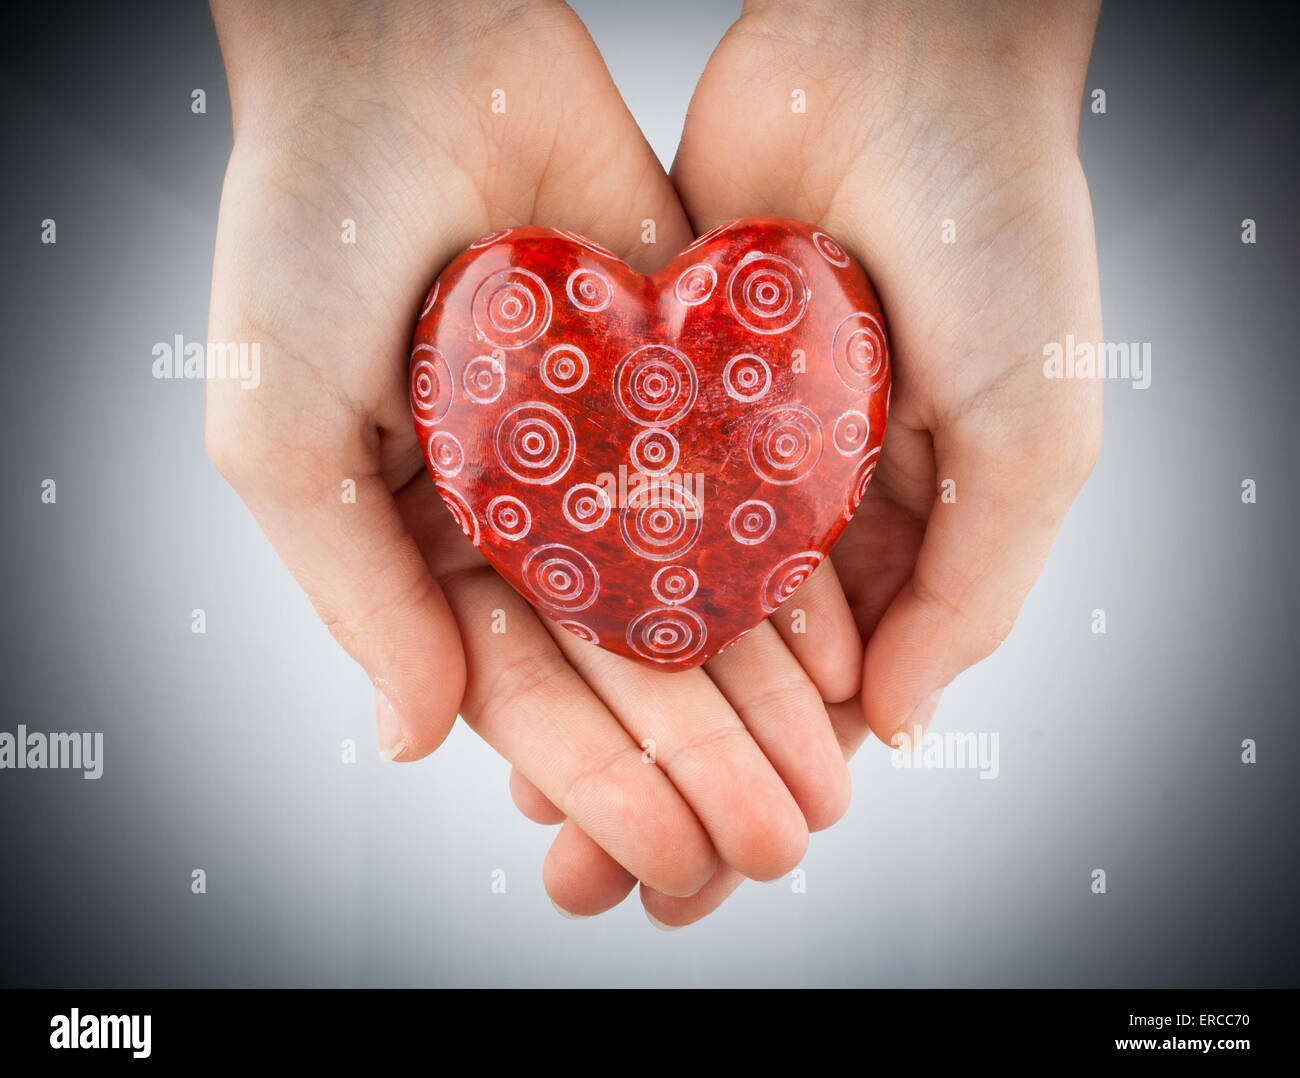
(739, 395)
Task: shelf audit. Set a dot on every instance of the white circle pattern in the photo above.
(786, 577)
(561, 578)
(511, 308)
(587, 506)
(655, 385)
(667, 634)
(535, 443)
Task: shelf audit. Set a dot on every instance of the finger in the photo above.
(817, 626)
(531, 801)
(581, 879)
(669, 911)
(651, 227)
(526, 701)
(980, 555)
(589, 170)
(608, 185)
(784, 713)
(365, 577)
(849, 724)
(686, 726)
(581, 876)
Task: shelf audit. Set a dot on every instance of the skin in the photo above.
(913, 116)
(384, 117)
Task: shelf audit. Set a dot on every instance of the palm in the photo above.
(896, 184)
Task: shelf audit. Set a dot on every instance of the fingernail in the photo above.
(911, 730)
(391, 741)
(659, 924)
(565, 913)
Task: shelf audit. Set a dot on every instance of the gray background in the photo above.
(1118, 751)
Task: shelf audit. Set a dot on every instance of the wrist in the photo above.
(288, 63)
(1015, 71)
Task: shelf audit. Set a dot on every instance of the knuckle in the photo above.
(345, 628)
(357, 622)
(339, 627)
(705, 745)
(516, 684)
(290, 450)
(767, 836)
(787, 698)
(594, 778)
(987, 635)
(983, 634)
(991, 632)
(287, 474)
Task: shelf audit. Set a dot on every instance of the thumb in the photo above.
(999, 506)
(367, 580)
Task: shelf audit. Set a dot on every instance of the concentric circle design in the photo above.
(655, 385)
(432, 388)
(861, 480)
(752, 521)
(674, 584)
(483, 379)
(859, 353)
(785, 444)
(446, 454)
(561, 578)
(509, 517)
(589, 290)
(851, 433)
(587, 506)
(654, 452)
(665, 523)
(830, 250)
(667, 634)
(535, 443)
(582, 632)
(490, 238)
(532, 508)
(767, 293)
(696, 284)
(786, 576)
(511, 308)
(564, 368)
(461, 510)
(747, 377)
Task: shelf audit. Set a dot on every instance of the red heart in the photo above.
(743, 390)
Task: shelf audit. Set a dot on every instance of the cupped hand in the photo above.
(938, 143)
(369, 149)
